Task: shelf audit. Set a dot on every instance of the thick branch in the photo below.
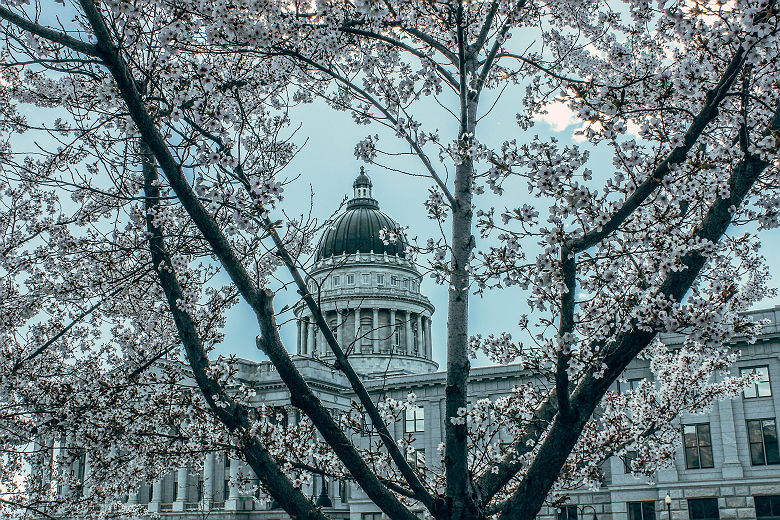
(565, 330)
(48, 34)
(677, 156)
(234, 416)
(563, 435)
(260, 301)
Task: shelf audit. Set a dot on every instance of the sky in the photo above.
(327, 166)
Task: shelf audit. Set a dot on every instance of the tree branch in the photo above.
(233, 415)
(48, 34)
(563, 435)
(677, 156)
(260, 301)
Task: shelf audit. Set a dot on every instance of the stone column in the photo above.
(309, 338)
(420, 346)
(375, 332)
(409, 338)
(181, 490)
(85, 484)
(732, 469)
(356, 345)
(301, 339)
(340, 332)
(208, 481)
(233, 501)
(392, 330)
(157, 495)
(428, 340)
(66, 470)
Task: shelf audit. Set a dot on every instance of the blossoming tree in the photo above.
(160, 169)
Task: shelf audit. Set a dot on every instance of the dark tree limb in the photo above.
(48, 34)
(260, 301)
(563, 434)
(233, 415)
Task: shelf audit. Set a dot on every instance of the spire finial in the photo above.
(362, 185)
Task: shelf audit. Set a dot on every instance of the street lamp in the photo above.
(668, 501)
(582, 511)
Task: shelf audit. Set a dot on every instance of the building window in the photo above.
(394, 281)
(629, 385)
(417, 458)
(628, 459)
(698, 446)
(397, 333)
(371, 516)
(415, 419)
(175, 487)
(703, 509)
(641, 510)
(380, 279)
(336, 281)
(567, 513)
(366, 279)
(768, 507)
(350, 279)
(406, 283)
(762, 435)
(199, 489)
(760, 388)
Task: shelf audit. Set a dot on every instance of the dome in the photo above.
(357, 229)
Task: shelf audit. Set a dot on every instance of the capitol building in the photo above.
(727, 465)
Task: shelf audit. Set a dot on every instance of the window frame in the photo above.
(755, 388)
(567, 512)
(631, 384)
(693, 501)
(350, 279)
(697, 429)
(366, 278)
(774, 506)
(643, 514)
(630, 456)
(414, 419)
(336, 281)
(763, 443)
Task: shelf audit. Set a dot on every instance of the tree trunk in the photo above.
(460, 502)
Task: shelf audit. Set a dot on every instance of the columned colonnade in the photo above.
(369, 330)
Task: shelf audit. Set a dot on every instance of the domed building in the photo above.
(727, 465)
(370, 293)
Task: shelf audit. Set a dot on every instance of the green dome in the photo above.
(357, 229)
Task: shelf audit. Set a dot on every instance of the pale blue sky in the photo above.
(327, 164)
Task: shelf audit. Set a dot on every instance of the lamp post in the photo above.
(668, 502)
(582, 511)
